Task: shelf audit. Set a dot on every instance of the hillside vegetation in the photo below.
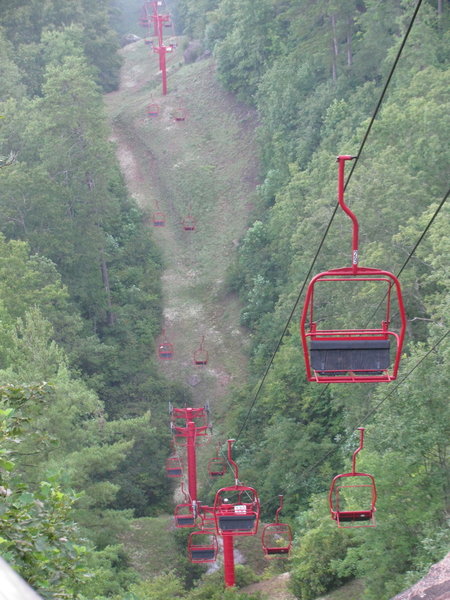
(314, 72)
(88, 285)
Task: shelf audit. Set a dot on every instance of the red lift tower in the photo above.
(236, 508)
(158, 23)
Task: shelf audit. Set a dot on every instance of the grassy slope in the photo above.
(207, 166)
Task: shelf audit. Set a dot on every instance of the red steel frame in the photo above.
(210, 515)
(364, 517)
(221, 509)
(354, 274)
(161, 49)
(198, 416)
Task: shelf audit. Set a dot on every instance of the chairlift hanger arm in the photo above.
(360, 447)
(355, 238)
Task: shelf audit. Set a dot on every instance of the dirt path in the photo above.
(205, 166)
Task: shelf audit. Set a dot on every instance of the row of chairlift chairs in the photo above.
(159, 218)
(235, 512)
(332, 355)
(188, 222)
(166, 351)
(178, 114)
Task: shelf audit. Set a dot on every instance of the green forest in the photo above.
(83, 403)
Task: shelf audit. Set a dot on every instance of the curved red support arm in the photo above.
(361, 446)
(279, 509)
(183, 491)
(341, 170)
(232, 463)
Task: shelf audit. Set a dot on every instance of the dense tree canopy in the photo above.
(80, 292)
(317, 70)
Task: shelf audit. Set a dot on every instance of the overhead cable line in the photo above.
(410, 255)
(322, 241)
(373, 410)
(381, 402)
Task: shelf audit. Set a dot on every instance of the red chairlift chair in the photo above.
(179, 114)
(165, 348)
(236, 508)
(217, 467)
(185, 513)
(153, 110)
(173, 467)
(352, 355)
(360, 484)
(188, 223)
(276, 537)
(201, 355)
(148, 41)
(202, 546)
(159, 219)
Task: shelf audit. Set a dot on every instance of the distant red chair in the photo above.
(188, 223)
(165, 348)
(159, 219)
(153, 110)
(179, 114)
(353, 495)
(201, 355)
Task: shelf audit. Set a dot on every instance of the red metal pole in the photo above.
(162, 61)
(155, 17)
(191, 461)
(228, 561)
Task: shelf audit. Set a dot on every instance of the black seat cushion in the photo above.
(203, 553)
(335, 357)
(355, 515)
(236, 522)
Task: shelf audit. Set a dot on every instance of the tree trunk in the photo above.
(334, 48)
(349, 41)
(105, 277)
